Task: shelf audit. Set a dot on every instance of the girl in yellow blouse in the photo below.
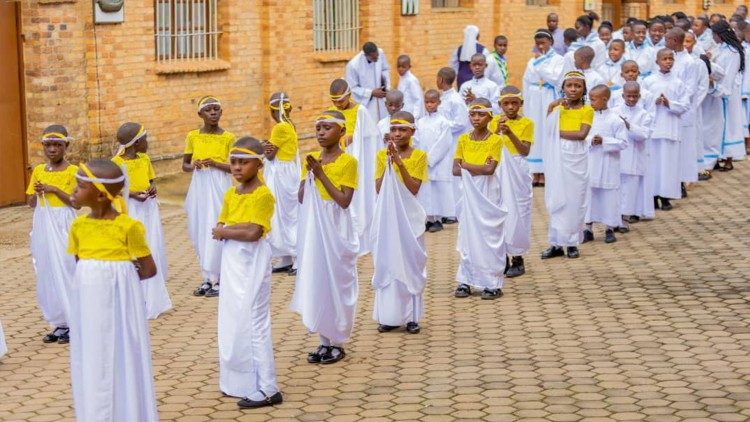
(49, 194)
(480, 218)
(325, 293)
(206, 155)
(110, 356)
(246, 365)
(281, 174)
(566, 167)
(142, 206)
(397, 230)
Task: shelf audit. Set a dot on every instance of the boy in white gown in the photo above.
(607, 138)
(640, 52)
(394, 101)
(479, 86)
(399, 255)
(611, 69)
(584, 58)
(409, 85)
(434, 136)
(454, 109)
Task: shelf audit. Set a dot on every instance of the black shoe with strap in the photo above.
(588, 236)
(213, 291)
(573, 252)
(201, 291)
(516, 267)
(247, 403)
(382, 328)
(552, 252)
(64, 336)
(283, 269)
(609, 236)
(412, 328)
(435, 227)
(52, 337)
(331, 357)
(314, 357)
(463, 290)
(489, 294)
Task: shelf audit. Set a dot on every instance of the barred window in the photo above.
(186, 30)
(336, 25)
(537, 2)
(445, 3)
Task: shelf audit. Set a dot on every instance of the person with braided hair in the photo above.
(730, 55)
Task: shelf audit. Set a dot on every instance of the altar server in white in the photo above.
(409, 85)
(584, 26)
(399, 254)
(611, 69)
(48, 193)
(479, 86)
(246, 365)
(325, 292)
(369, 77)
(394, 101)
(639, 51)
(110, 352)
(671, 102)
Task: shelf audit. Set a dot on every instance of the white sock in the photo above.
(325, 341)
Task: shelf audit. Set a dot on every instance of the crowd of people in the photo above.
(613, 124)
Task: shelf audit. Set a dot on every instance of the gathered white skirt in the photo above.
(282, 177)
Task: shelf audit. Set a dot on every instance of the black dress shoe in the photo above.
(284, 269)
(213, 292)
(412, 328)
(64, 336)
(552, 252)
(292, 271)
(435, 227)
(683, 190)
(51, 337)
(427, 226)
(330, 357)
(609, 236)
(665, 205)
(201, 291)
(449, 220)
(382, 328)
(463, 290)
(622, 229)
(489, 294)
(656, 202)
(588, 236)
(573, 252)
(516, 267)
(246, 403)
(633, 219)
(314, 357)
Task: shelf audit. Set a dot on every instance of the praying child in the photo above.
(394, 101)
(433, 135)
(246, 364)
(607, 138)
(409, 85)
(142, 206)
(110, 352)
(398, 229)
(206, 154)
(326, 289)
(281, 174)
(48, 193)
(517, 134)
(479, 86)
(481, 218)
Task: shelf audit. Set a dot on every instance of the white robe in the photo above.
(664, 147)
(517, 198)
(604, 168)
(454, 109)
(593, 78)
(566, 194)
(611, 72)
(687, 70)
(409, 85)
(482, 88)
(384, 128)
(326, 288)
(600, 49)
(203, 206)
(701, 95)
(364, 147)
(706, 40)
(398, 253)
(713, 126)
(481, 232)
(539, 89)
(154, 289)
(110, 352)
(282, 178)
(733, 135)
(363, 77)
(433, 135)
(53, 266)
(636, 193)
(644, 55)
(745, 89)
(246, 363)
(3, 345)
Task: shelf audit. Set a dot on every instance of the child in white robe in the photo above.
(206, 152)
(540, 80)
(611, 69)
(517, 134)
(481, 216)
(635, 194)
(566, 195)
(110, 352)
(394, 101)
(434, 136)
(325, 292)
(664, 149)
(640, 52)
(143, 206)
(497, 65)
(409, 85)
(607, 138)
(361, 141)
(281, 174)
(745, 88)
(630, 72)
(479, 86)
(584, 57)
(454, 109)
(398, 228)
(246, 363)
(48, 193)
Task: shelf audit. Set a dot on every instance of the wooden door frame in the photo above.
(22, 93)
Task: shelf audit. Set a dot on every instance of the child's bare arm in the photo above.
(576, 135)
(31, 200)
(456, 167)
(523, 147)
(246, 232)
(146, 267)
(485, 169)
(378, 184)
(187, 165)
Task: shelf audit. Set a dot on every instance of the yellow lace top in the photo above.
(571, 119)
(522, 127)
(416, 165)
(476, 152)
(65, 180)
(255, 207)
(350, 115)
(139, 170)
(208, 145)
(284, 137)
(121, 239)
(342, 172)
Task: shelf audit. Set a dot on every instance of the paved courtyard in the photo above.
(653, 327)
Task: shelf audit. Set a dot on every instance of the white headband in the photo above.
(55, 136)
(141, 133)
(338, 97)
(260, 157)
(101, 180)
(331, 120)
(481, 110)
(206, 104)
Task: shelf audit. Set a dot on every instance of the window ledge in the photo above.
(452, 9)
(333, 56)
(192, 66)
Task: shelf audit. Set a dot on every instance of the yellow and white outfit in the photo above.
(282, 176)
(481, 217)
(325, 292)
(203, 201)
(365, 144)
(399, 255)
(516, 185)
(110, 353)
(246, 364)
(140, 173)
(566, 195)
(50, 228)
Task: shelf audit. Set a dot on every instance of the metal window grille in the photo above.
(537, 3)
(445, 3)
(186, 30)
(336, 25)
